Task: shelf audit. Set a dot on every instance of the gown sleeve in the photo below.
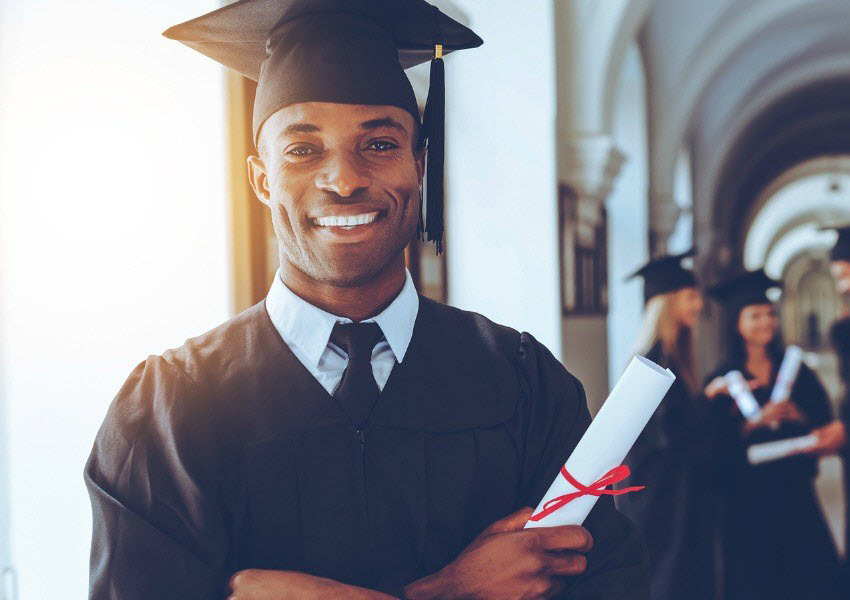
(618, 564)
(662, 430)
(728, 447)
(810, 396)
(839, 334)
(158, 531)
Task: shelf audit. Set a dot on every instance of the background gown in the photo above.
(840, 336)
(776, 543)
(675, 511)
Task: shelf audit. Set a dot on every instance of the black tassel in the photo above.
(433, 126)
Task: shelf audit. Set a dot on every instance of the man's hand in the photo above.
(257, 584)
(831, 438)
(507, 561)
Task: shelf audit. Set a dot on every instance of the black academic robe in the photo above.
(839, 334)
(227, 454)
(776, 543)
(676, 509)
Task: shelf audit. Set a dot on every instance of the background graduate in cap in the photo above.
(671, 456)
(776, 543)
(346, 437)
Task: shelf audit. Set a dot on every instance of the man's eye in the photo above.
(382, 145)
(299, 151)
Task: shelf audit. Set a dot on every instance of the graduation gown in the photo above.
(839, 334)
(676, 510)
(776, 543)
(227, 454)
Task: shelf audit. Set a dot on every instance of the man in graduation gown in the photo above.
(346, 437)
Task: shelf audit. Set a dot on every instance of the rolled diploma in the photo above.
(767, 451)
(740, 392)
(609, 438)
(787, 374)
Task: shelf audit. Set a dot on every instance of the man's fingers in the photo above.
(564, 537)
(238, 578)
(565, 563)
(513, 522)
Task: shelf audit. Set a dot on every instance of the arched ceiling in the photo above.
(714, 67)
(809, 123)
(785, 217)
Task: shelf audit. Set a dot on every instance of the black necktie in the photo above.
(358, 390)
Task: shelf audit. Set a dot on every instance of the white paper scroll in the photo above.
(768, 451)
(787, 374)
(743, 396)
(608, 439)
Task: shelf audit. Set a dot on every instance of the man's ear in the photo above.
(419, 158)
(257, 178)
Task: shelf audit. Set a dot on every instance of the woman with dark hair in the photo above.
(671, 456)
(776, 544)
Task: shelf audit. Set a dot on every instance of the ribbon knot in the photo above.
(597, 488)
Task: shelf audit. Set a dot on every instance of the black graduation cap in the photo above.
(744, 289)
(345, 51)
(841, 248)
(665, 274)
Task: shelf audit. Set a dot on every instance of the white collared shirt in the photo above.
(306, 329)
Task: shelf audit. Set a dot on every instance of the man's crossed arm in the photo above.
(503, 561)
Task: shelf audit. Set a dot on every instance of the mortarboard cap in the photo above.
(665, 274)
(745, 289)
(344, 51)
(841, 249)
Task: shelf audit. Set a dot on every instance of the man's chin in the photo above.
(348, 273)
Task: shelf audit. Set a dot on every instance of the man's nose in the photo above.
(342, 175)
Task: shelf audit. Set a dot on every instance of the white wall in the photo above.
(501, 203)
(627, 216)
(114, 246)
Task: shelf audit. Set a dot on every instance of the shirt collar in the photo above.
(309, 327)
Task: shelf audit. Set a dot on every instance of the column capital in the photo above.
(588, 164)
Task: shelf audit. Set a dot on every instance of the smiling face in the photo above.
(342, 184)
(687, 306)
(757, 324)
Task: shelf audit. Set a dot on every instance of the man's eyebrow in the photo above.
(383, 122)
(301, 128)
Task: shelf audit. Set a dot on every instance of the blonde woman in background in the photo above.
(672, 455)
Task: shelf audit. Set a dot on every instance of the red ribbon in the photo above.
(597, 488)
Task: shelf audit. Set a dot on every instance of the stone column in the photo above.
(663, 215)
(587, 168)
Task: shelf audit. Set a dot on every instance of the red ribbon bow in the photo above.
(597, 488)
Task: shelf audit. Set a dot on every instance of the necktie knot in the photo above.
(357, 340)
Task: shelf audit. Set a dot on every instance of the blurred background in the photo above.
(584, 137)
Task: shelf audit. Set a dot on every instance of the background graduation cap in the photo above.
(346, 51)
(745, 289)
(841, 249)
(665, 274)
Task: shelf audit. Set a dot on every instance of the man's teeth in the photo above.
(334, 221)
